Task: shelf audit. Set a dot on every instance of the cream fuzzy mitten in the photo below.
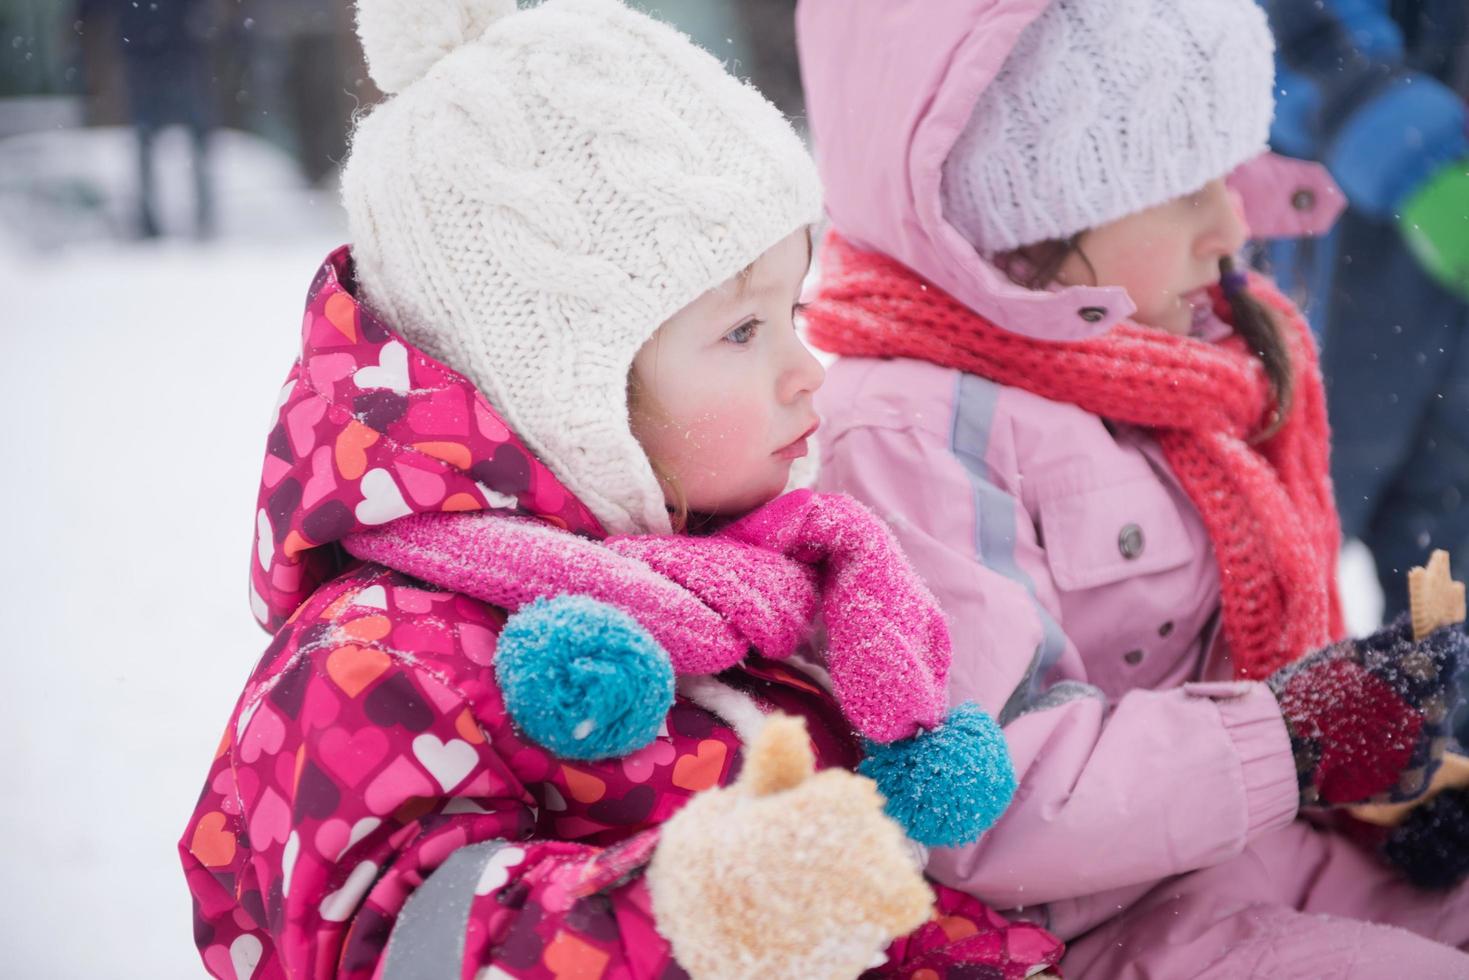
(785, 873)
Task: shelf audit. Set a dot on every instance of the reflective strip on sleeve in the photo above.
(427, 942)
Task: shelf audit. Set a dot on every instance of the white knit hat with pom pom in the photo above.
(543, 189)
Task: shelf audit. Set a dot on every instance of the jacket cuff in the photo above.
(1253, 722)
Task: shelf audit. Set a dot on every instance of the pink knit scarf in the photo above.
(1267, 506)
(757, 583)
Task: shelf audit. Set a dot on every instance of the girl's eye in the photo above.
(744, 333)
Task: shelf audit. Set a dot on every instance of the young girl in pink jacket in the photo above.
(511, 722)
(1104, 448)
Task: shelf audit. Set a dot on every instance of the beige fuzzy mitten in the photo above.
(785, 873)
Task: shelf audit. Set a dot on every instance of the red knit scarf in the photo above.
(1267, 507)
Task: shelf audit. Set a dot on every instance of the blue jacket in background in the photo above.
(1375, 90)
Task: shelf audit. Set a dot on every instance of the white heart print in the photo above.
(264, 539)
(448, 762)
(245, 954)
(372, 597)
(391, 370)
(382, 501)
(497, 869)
(340, 904)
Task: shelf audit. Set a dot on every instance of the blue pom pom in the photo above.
(582, 678)
(947, 785)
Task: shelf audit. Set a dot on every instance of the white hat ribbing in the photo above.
(544, 189)
(1108, 107)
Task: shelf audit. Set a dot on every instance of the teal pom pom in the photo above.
(582, 678)
(947, 785)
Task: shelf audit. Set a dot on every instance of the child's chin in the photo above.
(1177, 321)
(739, 502)
(757, 499)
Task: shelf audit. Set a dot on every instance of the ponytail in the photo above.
(1253, 322)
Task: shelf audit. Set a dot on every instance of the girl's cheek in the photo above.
(1155, 284)
(726, 438)
(719, 433)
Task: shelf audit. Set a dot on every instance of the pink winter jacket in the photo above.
(371, 810)
(1079, 581)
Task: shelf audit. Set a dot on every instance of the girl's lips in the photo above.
(1200, 304)
(796, 448)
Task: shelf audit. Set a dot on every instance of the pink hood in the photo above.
(370, 430)
(889, 89)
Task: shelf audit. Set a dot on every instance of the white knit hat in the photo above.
(545, 188)
(1106, 108)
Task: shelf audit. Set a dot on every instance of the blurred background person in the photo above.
(165, 48)
(292, 56)
(1376, 91)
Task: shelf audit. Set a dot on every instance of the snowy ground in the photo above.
(138, 384)
(139, 381)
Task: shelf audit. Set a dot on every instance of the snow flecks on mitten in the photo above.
(1368, 719)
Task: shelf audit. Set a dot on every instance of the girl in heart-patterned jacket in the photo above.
(534, 583)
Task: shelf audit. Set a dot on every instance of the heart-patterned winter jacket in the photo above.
(370, 759)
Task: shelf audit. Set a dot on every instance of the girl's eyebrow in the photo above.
(742, 280)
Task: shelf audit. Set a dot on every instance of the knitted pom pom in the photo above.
(582, 678)
(949, 784)
(404, 38)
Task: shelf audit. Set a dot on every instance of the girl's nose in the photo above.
(1224, 232)
(803, 373)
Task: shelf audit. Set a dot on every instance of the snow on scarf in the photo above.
(708, 600)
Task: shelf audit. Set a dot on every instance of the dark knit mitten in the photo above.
(1368, 719)
(1431, 847)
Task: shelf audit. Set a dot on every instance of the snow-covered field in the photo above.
(138, 381)
(138, 384)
